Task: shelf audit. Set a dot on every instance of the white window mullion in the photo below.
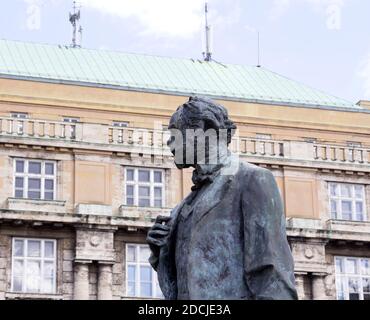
(136, 190)
(25, 192)
(25, 265)
(42, 261)
(361, 289)
(353, 201)
(345, 287)
(154, 293)
(55, 178)
(137, 273)
(151, 193)
(359, 268)
(151, 188)
(354, 209)
(42, 181)
(339, 208)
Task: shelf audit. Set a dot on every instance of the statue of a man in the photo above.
(227, 238)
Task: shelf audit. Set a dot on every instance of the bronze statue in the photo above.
(227, 238)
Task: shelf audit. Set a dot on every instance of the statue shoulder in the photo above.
(249, 171)
(247, 168)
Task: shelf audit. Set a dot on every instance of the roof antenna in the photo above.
(80, 35)
(258, 50)
(74, 19)
(207, 54)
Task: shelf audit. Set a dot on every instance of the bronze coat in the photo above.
(238, 246)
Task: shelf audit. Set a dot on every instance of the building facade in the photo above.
(84, 169)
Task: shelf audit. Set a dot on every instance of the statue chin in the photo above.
(181, 165)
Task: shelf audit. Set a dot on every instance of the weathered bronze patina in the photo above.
(227, 238)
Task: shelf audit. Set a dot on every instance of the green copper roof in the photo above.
(63, 64)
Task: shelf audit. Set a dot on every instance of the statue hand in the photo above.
(157, 235)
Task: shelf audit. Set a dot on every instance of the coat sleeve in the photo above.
(154, 260)
(163, 262)
(268, 262)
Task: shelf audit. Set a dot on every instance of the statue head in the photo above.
(200, 132)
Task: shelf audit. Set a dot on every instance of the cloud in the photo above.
(279, 7)
(250, 28)
(170, 18)
(331, 9)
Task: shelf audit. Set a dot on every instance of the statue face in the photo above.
(183, 144)
(200, 133)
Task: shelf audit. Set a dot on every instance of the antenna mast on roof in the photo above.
(74, 19)
(207, 54)
(258, 50)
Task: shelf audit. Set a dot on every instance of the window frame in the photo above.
(73, 121)
(339, 199)
(137, 264)
(42, 260)
(120, 124)
(359, 276)
(42, 176)
(19, 115)
(151, 184)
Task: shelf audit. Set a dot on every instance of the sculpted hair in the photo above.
(214, 115)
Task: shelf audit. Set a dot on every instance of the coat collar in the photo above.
(207, 173)
(217, 190)
(211, 196)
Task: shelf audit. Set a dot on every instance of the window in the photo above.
(73, 127)
(141, 279)
(20, 124)
(354, 144)
(347, 201)
(352, 277)
(19, 115)
(34, 179)
(33, 265)
(144, 187)
(120, 124)
(310, 140)
(71, 120)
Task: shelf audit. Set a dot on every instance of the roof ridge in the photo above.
(308, 86)
(110, 50)
(147, 72)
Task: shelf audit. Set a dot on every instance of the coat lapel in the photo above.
(175, 216)
(207, 201)
(211, 197)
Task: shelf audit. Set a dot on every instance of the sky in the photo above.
(322, 43)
